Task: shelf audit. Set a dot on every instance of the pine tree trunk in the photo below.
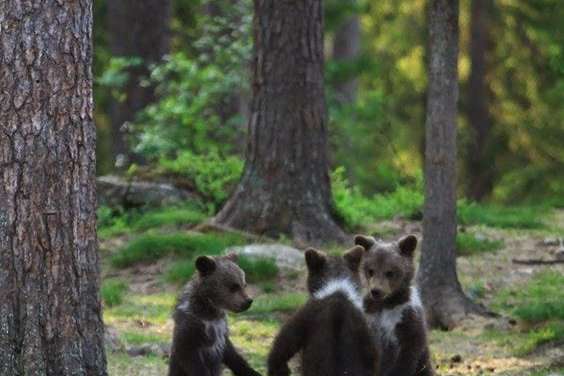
(285, 188)
(442, 294)
(480, 161)
(346, 48)
(50, 312)
(137, 28)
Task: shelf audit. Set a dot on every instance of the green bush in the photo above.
(210, 174)
(540, 300)
(258, 269)
(113, 291)
(468, 244)
(151, 247)
(356, 210)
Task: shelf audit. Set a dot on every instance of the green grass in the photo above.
(468, 244)
(258, 269)
(180, 271)
(113, 291)
(153, 309)
(277, 303)
(540, 300)
(140, 338)
(501, 217)
(112, 224)
(151, 247)
(522, 343)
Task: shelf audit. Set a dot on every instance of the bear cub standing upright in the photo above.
(393, 307)
(200, 343)
(330, 330)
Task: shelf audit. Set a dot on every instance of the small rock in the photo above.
(162, 350)
(550, 242)
(286, 257)
(456, 358)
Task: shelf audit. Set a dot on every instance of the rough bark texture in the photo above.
(138, 28)
(480, 166)
(50, 312)
(285, 188)
(442, 295)
(346, 48)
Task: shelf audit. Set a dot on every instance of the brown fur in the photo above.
(393, 307)
(201, 341)
(330, 331)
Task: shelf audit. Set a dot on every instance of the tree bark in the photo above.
(346, 48)
(442, 294)
(480, 161)
(285, 188)
(137, 28)
(50, 312)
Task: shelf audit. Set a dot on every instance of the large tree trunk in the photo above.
(138, 28)
(346, 48)
(50, 312)
(285, 188)
(479, 160)
(442, 294)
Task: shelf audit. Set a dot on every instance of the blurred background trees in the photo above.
(511, 72)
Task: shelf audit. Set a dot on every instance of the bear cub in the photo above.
(393, 306)
(330, 330)
(200, 344)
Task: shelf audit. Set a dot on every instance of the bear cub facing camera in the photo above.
(393, 307)
(330, 330)
(201, 344)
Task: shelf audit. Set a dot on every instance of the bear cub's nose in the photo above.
(247, 304)
(376, 293)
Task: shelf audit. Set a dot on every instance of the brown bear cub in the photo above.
(393, 307)
(200, 344)
(330, 330)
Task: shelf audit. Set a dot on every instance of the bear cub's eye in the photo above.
(390, 274)
(234, 287)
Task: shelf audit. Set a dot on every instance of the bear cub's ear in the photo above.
(353, 257)
(205, 265)
(364, 241)
(315, 260)
(232, 256)
(407, 245)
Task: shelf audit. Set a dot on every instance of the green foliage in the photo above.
(540, 300)
(212, 175)
(468, 244)
(151, 247)
(502, 217)
(113, 291)
(258, 269)
(356, 210)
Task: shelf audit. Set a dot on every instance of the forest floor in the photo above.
(526, 339)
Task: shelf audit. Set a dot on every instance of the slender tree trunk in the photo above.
(346, 48)
(50, 312)
(442, 294)
(138, 28)
(285, 188)
(479, 163)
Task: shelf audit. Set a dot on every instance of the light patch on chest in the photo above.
(386, 321)
(344, 286)
(216, 330)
